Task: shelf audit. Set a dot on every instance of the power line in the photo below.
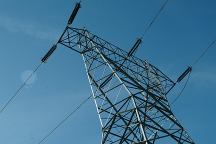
(194, 63)
(180, 93)
(83, 102)
(204, 52)
(20, 88)
(64, 120)
(155, 17)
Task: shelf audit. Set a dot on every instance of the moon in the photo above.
(28, 77)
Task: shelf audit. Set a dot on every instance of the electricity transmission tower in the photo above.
(129, 93)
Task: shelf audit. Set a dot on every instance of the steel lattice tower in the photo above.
(129, 93)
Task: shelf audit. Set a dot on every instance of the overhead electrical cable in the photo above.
(43, 60)
(155, 17)
(139, 40)
(194, 63)
(64, 120)
(20, 88)
(180, 93)
(204, 52)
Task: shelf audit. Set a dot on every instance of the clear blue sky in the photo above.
(28, 28)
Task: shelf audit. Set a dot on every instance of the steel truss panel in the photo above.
(129, 93)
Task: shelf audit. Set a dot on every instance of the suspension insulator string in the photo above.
(188, 71)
